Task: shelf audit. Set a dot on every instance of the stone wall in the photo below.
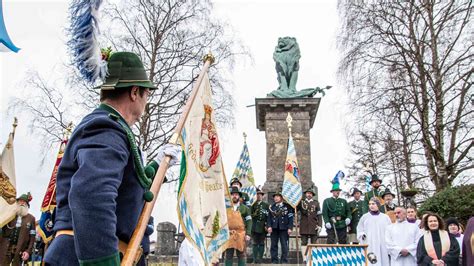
(271, 118)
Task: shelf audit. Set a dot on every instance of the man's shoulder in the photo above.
(98, 118)
(98, 122)
(29, 217)
(243, 208)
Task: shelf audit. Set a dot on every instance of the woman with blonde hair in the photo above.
(437, 246)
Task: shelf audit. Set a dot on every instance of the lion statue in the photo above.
(287, 56)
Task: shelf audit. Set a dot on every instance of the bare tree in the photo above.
(48, 109)
(417, 54)
(171, 37)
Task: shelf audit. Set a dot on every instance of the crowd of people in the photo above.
(95, 217)
(394, 234)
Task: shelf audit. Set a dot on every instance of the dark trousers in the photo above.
(258, 246)
(282, 236)
(229, 254)
(312, 238)
(258, 238)
(341, 235)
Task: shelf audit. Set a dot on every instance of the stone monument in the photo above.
(271, 117)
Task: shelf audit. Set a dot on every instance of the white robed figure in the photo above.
(402, 239)
(371, 231)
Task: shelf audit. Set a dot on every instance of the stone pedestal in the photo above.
(165, 242)
(271, 118)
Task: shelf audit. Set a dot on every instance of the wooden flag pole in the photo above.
(296, 237)
(289, 119)
(133, 245)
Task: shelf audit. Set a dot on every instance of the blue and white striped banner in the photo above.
(328, 256)
(292, 191)
(243, 171)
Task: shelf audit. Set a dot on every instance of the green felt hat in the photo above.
(278, 193)
(235, 190)
(375, 178)
(387, 192)
(235, 179)
(310, 190)
(335, 187)
(125, 69)
(355, 190)
(26, 197)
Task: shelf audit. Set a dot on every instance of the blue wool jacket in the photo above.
(280, 217)
(98, 195)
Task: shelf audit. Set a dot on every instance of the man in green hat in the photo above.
(18, 236)
(356, 206)
(310, 221)
(259, 220)
(102, 183)
(375, 182)
(337, 216)
(239, 220)
(235, 182)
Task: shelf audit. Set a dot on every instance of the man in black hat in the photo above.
(259, 220)
(388, 207)
(356, 206)
(337, 216)
(280, 226)
(311, 222)
(102, 183)
(239, 220)
(375, 182)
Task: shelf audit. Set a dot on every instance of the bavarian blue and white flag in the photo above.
(243, 171)
(292, 191)
(6, 44)
(368, 187)
(203, 193)
(338, 177)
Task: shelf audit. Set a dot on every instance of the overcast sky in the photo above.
(37, 27)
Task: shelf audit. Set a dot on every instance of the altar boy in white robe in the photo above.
(402, 239)
(371, 231)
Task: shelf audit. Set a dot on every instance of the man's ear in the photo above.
(134, 93)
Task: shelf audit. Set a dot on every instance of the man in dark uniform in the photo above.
(388, 207)
(101, 181)
(259, 219)
(337, 216)
(280, 226)
(18, 236)
(375, 182)
(310, 223)
(356, 206)
(239, 220)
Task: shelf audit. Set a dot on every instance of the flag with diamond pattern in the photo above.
(243, 172)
